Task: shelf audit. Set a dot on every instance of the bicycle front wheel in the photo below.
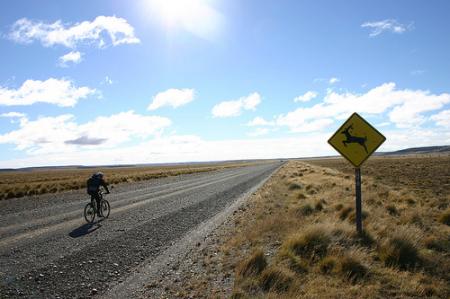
(105, 208)
(89, 213)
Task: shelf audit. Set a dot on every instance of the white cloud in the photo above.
(259, 121)
(390, 25)
(13, 115)
(407, 107)
(172, 97)
(116, 29)
(401, 139)
(330, 81)
(308, 96)
(383, 124)
(442, 118)
(108, 81)
(73, 56)
(63, 134)
(259, 132)
(234, 108)
(312, 126)
(60, 92)
(333, 80)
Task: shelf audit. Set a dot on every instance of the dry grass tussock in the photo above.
(445, 217)
(41, 181)
(297, 239)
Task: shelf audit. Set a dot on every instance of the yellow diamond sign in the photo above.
(356, 140)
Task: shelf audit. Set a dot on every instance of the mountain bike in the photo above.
(90, 210)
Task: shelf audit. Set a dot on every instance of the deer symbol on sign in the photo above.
(353, 139)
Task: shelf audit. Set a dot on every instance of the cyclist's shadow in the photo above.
(85, 229)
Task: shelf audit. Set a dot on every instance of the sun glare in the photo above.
(194, 16)
(171, 11)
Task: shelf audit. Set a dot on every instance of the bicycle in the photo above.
(90, 210)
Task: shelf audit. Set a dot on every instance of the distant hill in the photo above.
(443, 149)
(425, 150)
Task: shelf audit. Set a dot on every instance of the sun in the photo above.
(195, 16)
(173, 12)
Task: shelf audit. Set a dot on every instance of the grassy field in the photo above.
(296, 236)
(429, 176)
(41, 181)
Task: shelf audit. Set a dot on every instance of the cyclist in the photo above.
(93, 188)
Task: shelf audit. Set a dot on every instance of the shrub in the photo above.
(345, 212)
(416, 220)
(276, 279)
(318, 206)
(392, 210)
(399, 252)
(19, 193)
(296, 263)
(295, 186)
(410, 201)
(312, 192)
(301, 196)
(445, 217)
(312, 243)
(351, 268)
(338, 207)
(327, 264)
(305, 210)
(365, 238)
(441, 245)
(254, 265)
(428, 291)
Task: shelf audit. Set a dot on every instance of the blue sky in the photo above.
(152, 81)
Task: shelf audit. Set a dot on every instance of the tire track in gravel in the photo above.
(55, 267)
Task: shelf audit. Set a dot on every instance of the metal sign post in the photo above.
(356, 140)
(358, 200)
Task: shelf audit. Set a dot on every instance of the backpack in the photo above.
(92, 185)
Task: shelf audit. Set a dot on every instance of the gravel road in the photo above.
(48, 251)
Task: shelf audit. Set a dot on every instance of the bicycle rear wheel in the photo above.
(105, 208)
(89, 213)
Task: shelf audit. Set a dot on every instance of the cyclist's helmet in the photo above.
(99, 175)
